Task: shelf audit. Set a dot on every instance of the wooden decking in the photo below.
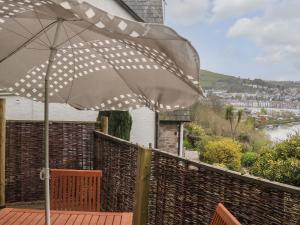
(11, 216)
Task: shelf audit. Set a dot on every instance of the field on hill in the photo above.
(217, 81)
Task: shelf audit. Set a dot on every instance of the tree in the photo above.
(119, 123)
(263, 111)
(281, 163)
(225, 152)
(233, 118)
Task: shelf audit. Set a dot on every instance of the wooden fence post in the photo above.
(104, 124)
(142, 187)
(2, 152)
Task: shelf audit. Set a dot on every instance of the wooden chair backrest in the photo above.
(223, 217)
(75, 190)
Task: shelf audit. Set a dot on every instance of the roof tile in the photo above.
(150, 11)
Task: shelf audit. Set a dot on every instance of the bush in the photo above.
(248, 159)
(194, 129)
(224, 151)
(119, 123)
(187, 144)
(195, 132)
(289, 148)
(281, 163)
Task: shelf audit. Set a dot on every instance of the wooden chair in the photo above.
(223, 217)
(75, 190)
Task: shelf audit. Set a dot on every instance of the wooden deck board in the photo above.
(11, 216)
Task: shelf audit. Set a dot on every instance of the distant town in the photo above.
(271, 103)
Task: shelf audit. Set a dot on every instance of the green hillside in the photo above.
(211, 80)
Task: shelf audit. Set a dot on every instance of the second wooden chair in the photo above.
(75, 190)
(223, 217)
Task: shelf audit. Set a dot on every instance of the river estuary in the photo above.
(282, 132)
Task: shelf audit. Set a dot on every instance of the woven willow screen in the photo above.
(186, 192)
(70, 147)
(117, 160)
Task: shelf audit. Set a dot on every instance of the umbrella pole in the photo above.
(53, 51)
(46, 139)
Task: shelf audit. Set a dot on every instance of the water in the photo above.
(282, 132)
(256, 110)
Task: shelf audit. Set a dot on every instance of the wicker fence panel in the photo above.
(184, 192)
(70, 146)
(117, 159)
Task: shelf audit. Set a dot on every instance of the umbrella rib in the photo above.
(38, 49)
(20, 35)
(42, 25)
(73, 61)
(25, 28)
(75, 35)
(27, 42)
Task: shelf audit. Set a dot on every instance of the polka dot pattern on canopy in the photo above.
(132, 101)
(10, 8)
(81, 59)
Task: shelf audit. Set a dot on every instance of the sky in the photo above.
(246, 38)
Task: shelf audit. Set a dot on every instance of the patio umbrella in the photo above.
(71, 52)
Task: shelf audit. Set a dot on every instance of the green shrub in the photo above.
(289, 148)
(248, 159)
(195, 129)
(119, 123)
(187, 144)
(281, 163)
(224, 151)
(195, 132)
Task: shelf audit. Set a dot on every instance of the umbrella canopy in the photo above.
(99, 61)
(71, 52)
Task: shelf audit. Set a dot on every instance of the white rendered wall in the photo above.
(111, 6)
(143, 127)
(18, 108)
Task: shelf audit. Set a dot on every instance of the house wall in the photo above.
(112, 7)
(143, 127)
(18, 108)
(150, 11)
(168, 137)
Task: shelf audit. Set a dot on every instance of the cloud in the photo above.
(188, 12)
(276, 32)
(223, 9)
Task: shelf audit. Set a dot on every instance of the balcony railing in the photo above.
(187, 192)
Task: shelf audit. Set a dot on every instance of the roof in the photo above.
(176, 116)
(150, 11)
(3, 92)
